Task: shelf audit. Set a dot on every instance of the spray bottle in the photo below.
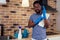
(20, 33)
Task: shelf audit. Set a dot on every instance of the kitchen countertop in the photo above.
(49, 36)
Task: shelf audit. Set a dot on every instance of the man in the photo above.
(38, 32)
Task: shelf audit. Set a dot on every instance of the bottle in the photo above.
(16, 34)
(25, 33)
(20, 33)
(8, 38)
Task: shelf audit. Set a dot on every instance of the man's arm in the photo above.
(31, 24)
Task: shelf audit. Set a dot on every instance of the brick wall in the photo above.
(12, 15)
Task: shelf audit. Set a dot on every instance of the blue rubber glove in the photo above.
(40, 18)
(44, 12)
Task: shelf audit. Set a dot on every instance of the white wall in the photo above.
(58, 16)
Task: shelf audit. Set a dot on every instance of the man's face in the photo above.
(37, 8)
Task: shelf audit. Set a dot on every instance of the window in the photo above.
(2, 2)
(25, 3)
(48, 7)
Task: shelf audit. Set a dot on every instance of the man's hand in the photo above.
(46, 23)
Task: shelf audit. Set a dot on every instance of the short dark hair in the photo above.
(37, 2)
